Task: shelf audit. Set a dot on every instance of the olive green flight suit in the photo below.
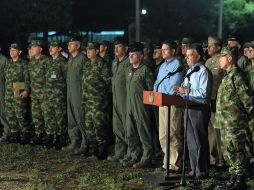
(119, 69)
(75, 111)
(138, 123)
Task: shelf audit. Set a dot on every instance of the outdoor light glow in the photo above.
(143, 11)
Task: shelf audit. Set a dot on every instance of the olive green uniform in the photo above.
(138, 124)
(75, 111)
(119, 69)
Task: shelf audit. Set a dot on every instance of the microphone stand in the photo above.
(183, 182)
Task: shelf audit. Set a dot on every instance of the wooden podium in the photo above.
(160, 99)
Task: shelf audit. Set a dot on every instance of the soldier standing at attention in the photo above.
(16, 106)
(37, 74)
(119, 69)
(214, 136)
(55, 93)
(148, 55)
(234, 110)
(75, 112)
(138, 123)
(234, 41)
(3, 122)
(105, 54)
(96, 86)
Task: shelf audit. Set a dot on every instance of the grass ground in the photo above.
(36, 168)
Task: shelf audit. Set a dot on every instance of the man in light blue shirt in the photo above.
(169, 67)
(199, 115)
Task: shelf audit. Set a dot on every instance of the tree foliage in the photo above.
(238, 13)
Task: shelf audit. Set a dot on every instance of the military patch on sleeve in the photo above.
(129, 74)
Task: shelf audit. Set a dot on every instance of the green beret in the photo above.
(36, 43)
(15, 46)
(93, 45)
(246, 44)
(136, 47)
(251, 44)
(121, 40)
(74, 39)
(104, 42)
(55, 43)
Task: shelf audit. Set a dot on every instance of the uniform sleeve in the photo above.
(241, 89)
(149, 78)
(26, 76)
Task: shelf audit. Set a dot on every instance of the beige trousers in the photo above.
(176, 135)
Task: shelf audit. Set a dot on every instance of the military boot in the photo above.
(60, 141)
(36, 139)
(102, 152)
(24, 138)
(239, 183)
(14, 137)
(47, 140)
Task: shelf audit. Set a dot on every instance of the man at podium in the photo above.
(197, 88)
(168, 77)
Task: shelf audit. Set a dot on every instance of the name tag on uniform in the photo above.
(53, 76)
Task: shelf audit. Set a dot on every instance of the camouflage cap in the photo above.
(15, 46)
(214, 40)
(55, 43)
(121, 40)
(104, 42)
(93, 45)
(225, 51)
(186, 40)
(36, 43)
(136, 47)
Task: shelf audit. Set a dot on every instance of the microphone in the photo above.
(179, 69)
(195, 69)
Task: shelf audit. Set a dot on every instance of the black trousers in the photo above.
(197, 138)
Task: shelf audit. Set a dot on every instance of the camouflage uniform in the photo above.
(37, 74)
(214, 136)
(55, 95)
(96, 85)
(3, 121)
(250, 81)
(16, 109)
(119, 69)
(138, 124)
(232, 115)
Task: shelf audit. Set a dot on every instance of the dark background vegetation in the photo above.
(165, 18)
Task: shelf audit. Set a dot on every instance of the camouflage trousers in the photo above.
(38, 114)
(16, 112)
(55, 114)
(96, 118)
(234, 148)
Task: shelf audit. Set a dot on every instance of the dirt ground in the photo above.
(37, 168)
